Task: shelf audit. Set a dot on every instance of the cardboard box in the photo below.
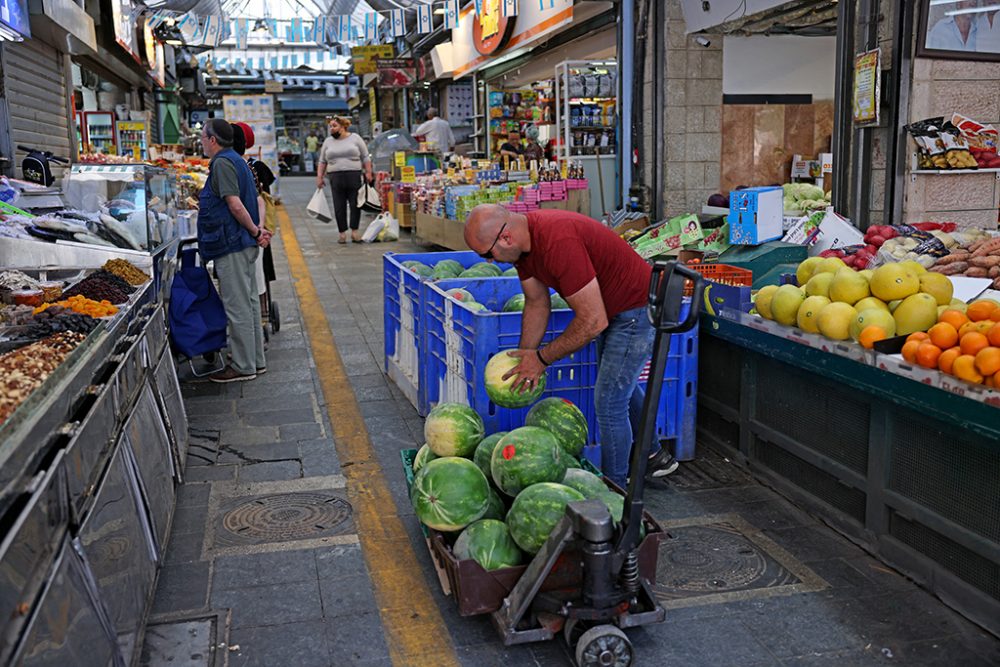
(638, 224)
(755, 215)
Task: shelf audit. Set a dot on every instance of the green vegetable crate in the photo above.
(477, 591)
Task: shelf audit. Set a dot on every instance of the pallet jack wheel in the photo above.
(274, 315)
(604, 646)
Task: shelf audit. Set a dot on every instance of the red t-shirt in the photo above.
(568, 250)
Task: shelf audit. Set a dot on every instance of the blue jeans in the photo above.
(623, 349)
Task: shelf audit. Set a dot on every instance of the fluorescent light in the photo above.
(439, 11)
(173, 42)
(972, 10)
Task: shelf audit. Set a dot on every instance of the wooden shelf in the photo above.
(952, 172)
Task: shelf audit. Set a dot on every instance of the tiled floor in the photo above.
(794, 592)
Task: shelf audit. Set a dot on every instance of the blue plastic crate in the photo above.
(459, 343)
(403, 315)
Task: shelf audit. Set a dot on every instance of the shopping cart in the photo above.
(197, 317)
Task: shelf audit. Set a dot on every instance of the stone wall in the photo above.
(940, 88)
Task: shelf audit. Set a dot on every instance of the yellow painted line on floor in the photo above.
(414, 629)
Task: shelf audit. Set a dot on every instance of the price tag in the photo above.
(400, 159)
(409, 175)
(470, 175)
(564, 169)
(451, 172)
(483, 164)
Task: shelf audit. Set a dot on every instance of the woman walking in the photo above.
(342, 157)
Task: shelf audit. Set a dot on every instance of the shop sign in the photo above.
(867, 70)
(396, 72)
(408, 174)
(490, 30)
(363, 57)
(372, 103)
(425, 67)
(14, 15)
(123, 16)
(400, 158)
(154, 54)
(274, 86)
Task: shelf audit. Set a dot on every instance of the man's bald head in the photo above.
(484, 223)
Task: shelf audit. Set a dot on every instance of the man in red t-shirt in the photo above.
(606, 284)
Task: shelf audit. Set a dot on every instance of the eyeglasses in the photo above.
(489, 253)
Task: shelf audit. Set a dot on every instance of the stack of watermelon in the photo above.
(447, 269)
(500, 495)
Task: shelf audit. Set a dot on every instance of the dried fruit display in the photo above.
(127, 270)
(82, 304)
(24, 370)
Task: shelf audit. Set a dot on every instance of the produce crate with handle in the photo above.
(402, 316)
(459, 343)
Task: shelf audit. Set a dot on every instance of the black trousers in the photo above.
(345, 185)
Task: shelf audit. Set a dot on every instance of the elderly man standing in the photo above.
(606, 284)
(437, 131)
(229, 235)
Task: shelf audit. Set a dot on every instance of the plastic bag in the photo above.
(369, 199)
(375, 228)
(319, 207)
(391, 230)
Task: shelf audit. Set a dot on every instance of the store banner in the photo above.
(397, 73)
(425, 19)
(508, 8)
(451, 10)
(398, 23)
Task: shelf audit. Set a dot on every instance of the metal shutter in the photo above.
(35, 87)
(149, 104)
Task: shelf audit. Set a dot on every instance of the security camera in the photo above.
(703, 41)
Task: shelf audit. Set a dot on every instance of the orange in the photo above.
(918, 336)
(965, 369)
(994, 335)
(996, 380)
(989, 382)
(870, 335)
(927, 355)
(948, 358)
(955, 318)
(988, 360)
(984, 326)
(980, 310)
(943, 335)
(966, 328)
(995, 315)
(972, 342)
(910, 351)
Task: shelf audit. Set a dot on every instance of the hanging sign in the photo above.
(400, 158)
(408, 174)
(396, 72)
(123, 18)
(491, 30)
(363, 57)
(867, 70)
(274, 86)
(372, 104)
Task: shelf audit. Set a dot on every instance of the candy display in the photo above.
(24, 370)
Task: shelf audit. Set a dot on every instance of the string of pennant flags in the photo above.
(213, 30)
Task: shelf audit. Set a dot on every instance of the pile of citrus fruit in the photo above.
(966, 345)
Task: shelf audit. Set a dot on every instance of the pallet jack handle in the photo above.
(666, 300)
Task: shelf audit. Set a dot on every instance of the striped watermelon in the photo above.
(459, 294)
(587, 483)
(512, 271)
(564, 420)
(526, 456)
(474, 306)
(453, 429)
(487, 268)
(424, 454)
(615, 503)
(484, 452)
(419, 268)
(489, 543)
(558, 303)
(536, 511)
(449, 493)
(515, 304)
(496, 508)
(447, 268)
(500, 391)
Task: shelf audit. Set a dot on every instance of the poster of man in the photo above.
(960, 29)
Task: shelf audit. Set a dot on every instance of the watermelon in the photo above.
(496, 509)
(500, 391)
(564, 420)
(587, 483)
(459, 294)
(484, 452)
(536, 511)
(444, 271)
(424, 454)
(615, 503)
(487, 268)
(512, 271)
(410, 263)
(526, 456)
(449, 493)
(474, 306)
(488, 542)
(453, 429)
(420, 269)
(476, 272)
(558, 303)
(515, 304)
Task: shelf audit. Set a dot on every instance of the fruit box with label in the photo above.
(755, 215)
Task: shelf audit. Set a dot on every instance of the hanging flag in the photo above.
(315, 85)
(284, 62)
(242, 33)
(295, 60)
(306, 57)
(274, 63)
(542, 3)
(155, 20)
(321, 56)
(371, 25)
(451, 15)
(188, 27)
(212, 31)
(343, 28)
(297, 30)
(398, 23)
(425, 21)
(319, 30)
(479, 7)
(509, 8)
(272, 27)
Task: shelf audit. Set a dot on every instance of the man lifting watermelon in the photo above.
(606, 284)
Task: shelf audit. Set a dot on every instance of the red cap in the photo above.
(247, 133)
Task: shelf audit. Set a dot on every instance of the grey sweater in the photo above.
(344, 154)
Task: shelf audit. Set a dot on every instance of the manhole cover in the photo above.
(715, 558)
(283, 518)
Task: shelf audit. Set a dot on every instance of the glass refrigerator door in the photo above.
(100, 131)
(132, 139)
(81, 146)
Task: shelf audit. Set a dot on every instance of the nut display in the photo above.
(24, 370)
(127, 270)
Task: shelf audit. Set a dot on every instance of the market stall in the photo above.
(93, 431)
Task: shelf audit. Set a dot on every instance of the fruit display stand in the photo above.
(901, 459)
(88, 465)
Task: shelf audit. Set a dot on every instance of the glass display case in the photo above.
(136, 202)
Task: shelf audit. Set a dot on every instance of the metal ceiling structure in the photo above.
(805, 18)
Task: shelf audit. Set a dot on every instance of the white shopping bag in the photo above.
(369, 199)
(319, 207)
(375, 227)
(391, 230)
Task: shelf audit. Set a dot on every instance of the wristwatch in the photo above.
(260, 231)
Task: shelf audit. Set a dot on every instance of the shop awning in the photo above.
(312, 104)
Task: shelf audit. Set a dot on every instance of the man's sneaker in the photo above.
(661, 464)
(230, 374)
(261, 370)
